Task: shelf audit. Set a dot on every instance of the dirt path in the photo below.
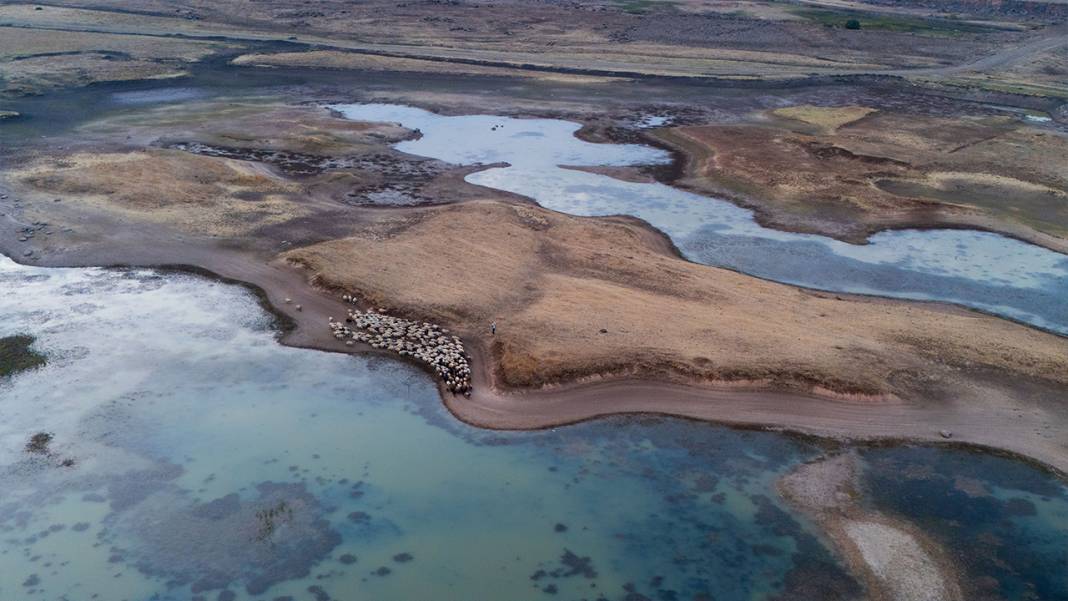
(1053, 38)
(1030, 434)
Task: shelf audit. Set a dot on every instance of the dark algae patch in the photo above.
(276, 536)
(17, 356)
(702, 550)
(1012, 518)
(39, 442)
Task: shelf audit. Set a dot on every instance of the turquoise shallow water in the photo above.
(208, 458)
(209, 462)
(981, 270)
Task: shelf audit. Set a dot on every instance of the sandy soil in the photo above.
(850, 171)
(898, 561)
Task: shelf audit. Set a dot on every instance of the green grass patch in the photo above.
(641, 7)
(895, 23)
(16, 355)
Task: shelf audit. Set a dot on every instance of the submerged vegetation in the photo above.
(39, 443)
(269, 519)
(16, 355)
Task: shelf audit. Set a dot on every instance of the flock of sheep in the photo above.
(426, 342)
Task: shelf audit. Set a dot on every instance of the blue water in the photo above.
(1005, 526)
(208, 458)
(981, 270)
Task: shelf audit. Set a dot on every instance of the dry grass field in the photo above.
(335, 59)
(826, 119)
(848, 171)
(262, 124)
(195, 194)
(575, 298)
(725, 38)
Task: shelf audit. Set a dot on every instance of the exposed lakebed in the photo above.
(188, 453)
(981, 270)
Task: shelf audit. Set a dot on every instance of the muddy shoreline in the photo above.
(496, 406)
